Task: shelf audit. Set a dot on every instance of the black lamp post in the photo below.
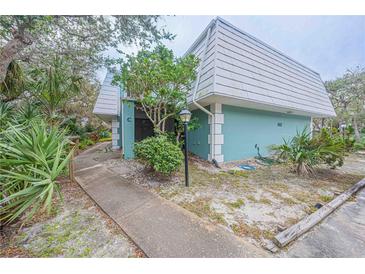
(185, 118)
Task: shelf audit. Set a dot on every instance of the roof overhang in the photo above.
(239, 102)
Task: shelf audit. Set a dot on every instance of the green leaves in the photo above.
(159, 153)
(306, 152)
(31, 160)
(159, 81)
(54, 86)
(348, 98)
(6, 112)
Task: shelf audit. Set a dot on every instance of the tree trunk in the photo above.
(10, 51)
(356, 129)
(178, 137)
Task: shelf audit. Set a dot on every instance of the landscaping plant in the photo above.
(32, 158)
(332, 147)
(159, 153)
(27, 113)
(54, 86)
(159, 82)
(305, 152)
(6, 112)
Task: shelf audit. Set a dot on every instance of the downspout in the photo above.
(194, 95)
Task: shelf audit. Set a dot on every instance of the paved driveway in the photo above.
(342, 234)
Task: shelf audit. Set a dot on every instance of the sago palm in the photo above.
(6, 112)
(31, 160)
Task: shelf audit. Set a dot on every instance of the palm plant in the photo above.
(31, 160)
(6, 112)
(306, 152)
(54, 86)
(27, 113)
(300, 152)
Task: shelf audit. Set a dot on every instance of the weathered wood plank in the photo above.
(293, 232)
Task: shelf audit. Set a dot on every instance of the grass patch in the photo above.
(326, 198)
(291, 221)
(239, 173)
(236, 204)
(251, 198)
(303, 196)
(288, 201)
(168, 194)
(265, 201)
(268, 234)
(201, 208)
(311, 209)
(280, 186)
(243, 229)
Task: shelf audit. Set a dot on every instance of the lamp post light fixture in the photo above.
(185, 116)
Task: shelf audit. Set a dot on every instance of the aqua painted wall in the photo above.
(243, 128)
(127, 115)
(198, 139)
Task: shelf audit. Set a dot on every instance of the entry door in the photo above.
(143, 129)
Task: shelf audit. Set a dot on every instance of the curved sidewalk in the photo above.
(159, 227)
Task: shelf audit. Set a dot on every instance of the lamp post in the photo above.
(185, 116)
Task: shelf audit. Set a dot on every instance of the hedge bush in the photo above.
(160, 154)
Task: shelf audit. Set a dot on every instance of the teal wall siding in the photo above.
(198, 139)
(127, 116)
(243, 128)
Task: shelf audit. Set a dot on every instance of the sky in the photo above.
(327, 44)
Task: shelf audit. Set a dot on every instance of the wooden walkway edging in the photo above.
(293, 232)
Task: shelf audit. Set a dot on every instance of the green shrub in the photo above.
(27, 113)
(31, 160)
(359, 146)
(160, 154)
(74, 128)
(305, 152)
(107, 139)
(104, 134)
(89, 127)
(84, 143)
(6, 112)
(332, 147)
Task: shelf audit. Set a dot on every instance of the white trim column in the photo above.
(115, 133)
(216, 132)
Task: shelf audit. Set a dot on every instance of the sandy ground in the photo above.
(76, 228)
(255, 205)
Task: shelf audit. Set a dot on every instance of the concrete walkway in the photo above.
(159, 227)
(342, 234)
